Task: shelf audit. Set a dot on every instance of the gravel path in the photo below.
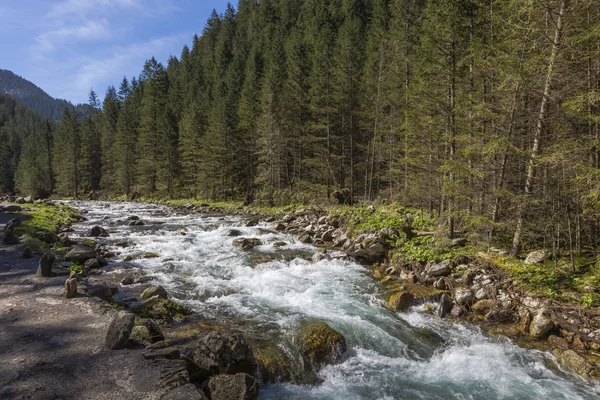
(53, 348)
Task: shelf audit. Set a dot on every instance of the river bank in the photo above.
(272, 284)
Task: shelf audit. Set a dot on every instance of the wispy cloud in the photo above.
(89, 30)
(75, 7)
(122, 59)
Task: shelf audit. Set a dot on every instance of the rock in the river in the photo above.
(117, 336)
(133, 218)
(401, 301)
(27, 253)
(440, 269)
(92, 263)
(234, 233)
(445, 306)
(321, 345)
(463, 297)
(185, 392)
(154, 330)
(541, 325)
(537, 257)
(128, 279)
(246, 244)
(252, 222)
(96, 231)
(71, 287)
(80, 253)
(45, 266)
(225, 353)
(154, 291)
(233, 387)
(576, 363)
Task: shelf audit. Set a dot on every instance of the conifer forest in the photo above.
(482, 113)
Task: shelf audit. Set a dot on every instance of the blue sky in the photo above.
(67, 47)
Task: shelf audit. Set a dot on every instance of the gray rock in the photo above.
(96, 231)
(101, 291)
(541, 325)
(246, 244)
(463, 297)
(169, 354)
(307, 239)
(328, 235)
(45, 266)
(10, 236)
(27, 253)
(252, 222)
(28, 200)
(481, 294)
(233, 387)
(185, 392)
(440, 284)
(224, 353)
(71, 288)
(128, 280)
(102, 261)
(537, 257)
(117, 336)
(279, 227)
(440, 269)
(92, 263)
(445, 306)
(80, 253)
(234, 233)
(154, 331)
(173, 373)
(154, 291)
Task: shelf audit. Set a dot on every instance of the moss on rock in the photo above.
(321, 345)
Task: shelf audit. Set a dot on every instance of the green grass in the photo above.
(556, 280)
(43, 217)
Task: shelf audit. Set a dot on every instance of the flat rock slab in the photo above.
(52, 347)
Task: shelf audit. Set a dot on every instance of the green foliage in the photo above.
(43, 217)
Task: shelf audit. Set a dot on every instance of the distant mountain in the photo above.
(35, 98)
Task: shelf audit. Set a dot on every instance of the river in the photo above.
(408, 355)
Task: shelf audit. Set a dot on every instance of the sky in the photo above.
(67, 47)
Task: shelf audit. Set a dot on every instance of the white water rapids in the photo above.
(409, 355)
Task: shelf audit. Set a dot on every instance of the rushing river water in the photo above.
(409, 355)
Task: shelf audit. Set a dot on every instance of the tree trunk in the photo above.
(516, 248)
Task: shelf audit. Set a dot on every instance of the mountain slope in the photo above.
(35, 98)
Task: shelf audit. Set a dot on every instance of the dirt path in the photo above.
(53, 348)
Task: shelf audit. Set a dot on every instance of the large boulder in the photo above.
(45, 266)
(233, 387)
(117, 336)
(537, 257)
(321, 345)
(225, 353)
(440, 269)
(81, 253)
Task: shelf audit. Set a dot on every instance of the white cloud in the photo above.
(89, 30)
(123, 60)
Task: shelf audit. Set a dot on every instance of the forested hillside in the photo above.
(25, 144)
(484, 113)
(35, 98)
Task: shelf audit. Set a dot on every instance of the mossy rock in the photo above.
(400, 301)
(162, 309)
(321, 345)
(575, 362)
(422, 294)
(150, 255)
(273, 365)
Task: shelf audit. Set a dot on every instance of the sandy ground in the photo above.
(53, 348)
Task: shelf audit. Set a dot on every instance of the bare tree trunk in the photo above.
(516, 248)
